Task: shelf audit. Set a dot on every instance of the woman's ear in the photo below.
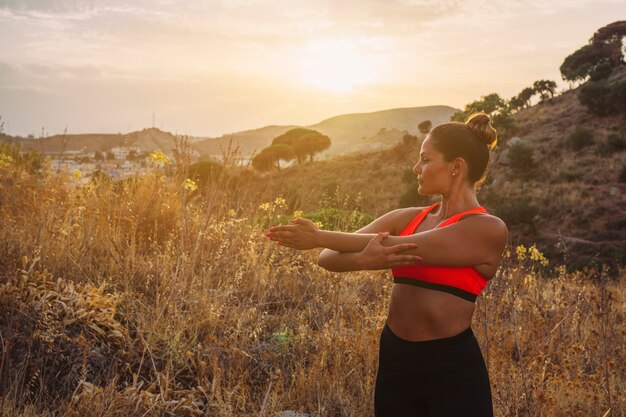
(458, 165)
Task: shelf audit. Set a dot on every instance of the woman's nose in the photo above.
(416, 169)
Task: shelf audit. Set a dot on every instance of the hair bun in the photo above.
(480, 123)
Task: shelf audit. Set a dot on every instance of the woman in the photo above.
(441, 257)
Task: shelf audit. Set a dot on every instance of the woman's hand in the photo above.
(301, 234)
(377, 256)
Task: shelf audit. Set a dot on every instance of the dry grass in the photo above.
(143, 298)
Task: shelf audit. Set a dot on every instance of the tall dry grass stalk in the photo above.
(143, 297)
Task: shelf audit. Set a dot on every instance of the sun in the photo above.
(336, 65)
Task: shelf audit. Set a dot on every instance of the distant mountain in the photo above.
(249, 141)
(348, 133)
(146, 140)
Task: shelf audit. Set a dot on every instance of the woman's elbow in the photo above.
(323, 261)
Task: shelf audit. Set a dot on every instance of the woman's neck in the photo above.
(457, 201)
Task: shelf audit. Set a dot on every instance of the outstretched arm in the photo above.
(373, 256)
(474, 240)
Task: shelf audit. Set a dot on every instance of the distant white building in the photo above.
(64, 165)
(121, 152)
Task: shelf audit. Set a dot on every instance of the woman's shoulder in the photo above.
(403, 216)
(488, 222)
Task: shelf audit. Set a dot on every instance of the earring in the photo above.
(453, 174)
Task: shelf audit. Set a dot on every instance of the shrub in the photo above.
(616, 142)
(617, 97)
(602, 98)
(206, 171)
(595, 96)
(622, 175)
(521, 160)
(580, 139)
(518, 211)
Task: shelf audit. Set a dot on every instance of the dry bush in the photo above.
(217, 320)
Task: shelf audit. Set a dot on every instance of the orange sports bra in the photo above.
(463, 281)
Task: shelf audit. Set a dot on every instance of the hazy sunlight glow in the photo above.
(336, 65)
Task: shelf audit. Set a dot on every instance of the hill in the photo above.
(146, 140)
(349, 133)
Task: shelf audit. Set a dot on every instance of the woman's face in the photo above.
(434, 174)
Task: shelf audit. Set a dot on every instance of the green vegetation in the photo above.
(521, 160)
(598, 57)
(516, 212)
(581, 138)
(602, 98)
(496, 107)
(616, 142)
(424, 127)
(206, 171)
(295, 143)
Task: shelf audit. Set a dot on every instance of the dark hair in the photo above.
(472, 141)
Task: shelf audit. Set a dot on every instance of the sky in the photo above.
(207, 68)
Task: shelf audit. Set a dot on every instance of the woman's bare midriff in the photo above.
(417, 313)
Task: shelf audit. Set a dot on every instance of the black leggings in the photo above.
(436, 378)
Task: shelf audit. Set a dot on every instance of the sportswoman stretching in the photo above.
(441, 257)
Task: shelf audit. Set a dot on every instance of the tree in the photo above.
(526, 94)
(98, 156)
(280, 152)
(516, 104)
(601, 71)
(320, 144)
(304, 142)
(604, 46)
(612, 35)
(310, 144)
(425, 127)
(504, 123)
(110, 156)
(410, 140)
(545, 88)
(132, 155)
(493, 105)
(263, 162)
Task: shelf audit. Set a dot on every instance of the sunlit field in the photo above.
(161, 296)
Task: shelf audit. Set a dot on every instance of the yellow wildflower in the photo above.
(159, 158)
(298, 213)
(77, 174)
(537, 256)
(5, 160)
(319, 224)
(190, 185)
(280, 202)
(231, 213)
(521, 252)
(265, 206)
